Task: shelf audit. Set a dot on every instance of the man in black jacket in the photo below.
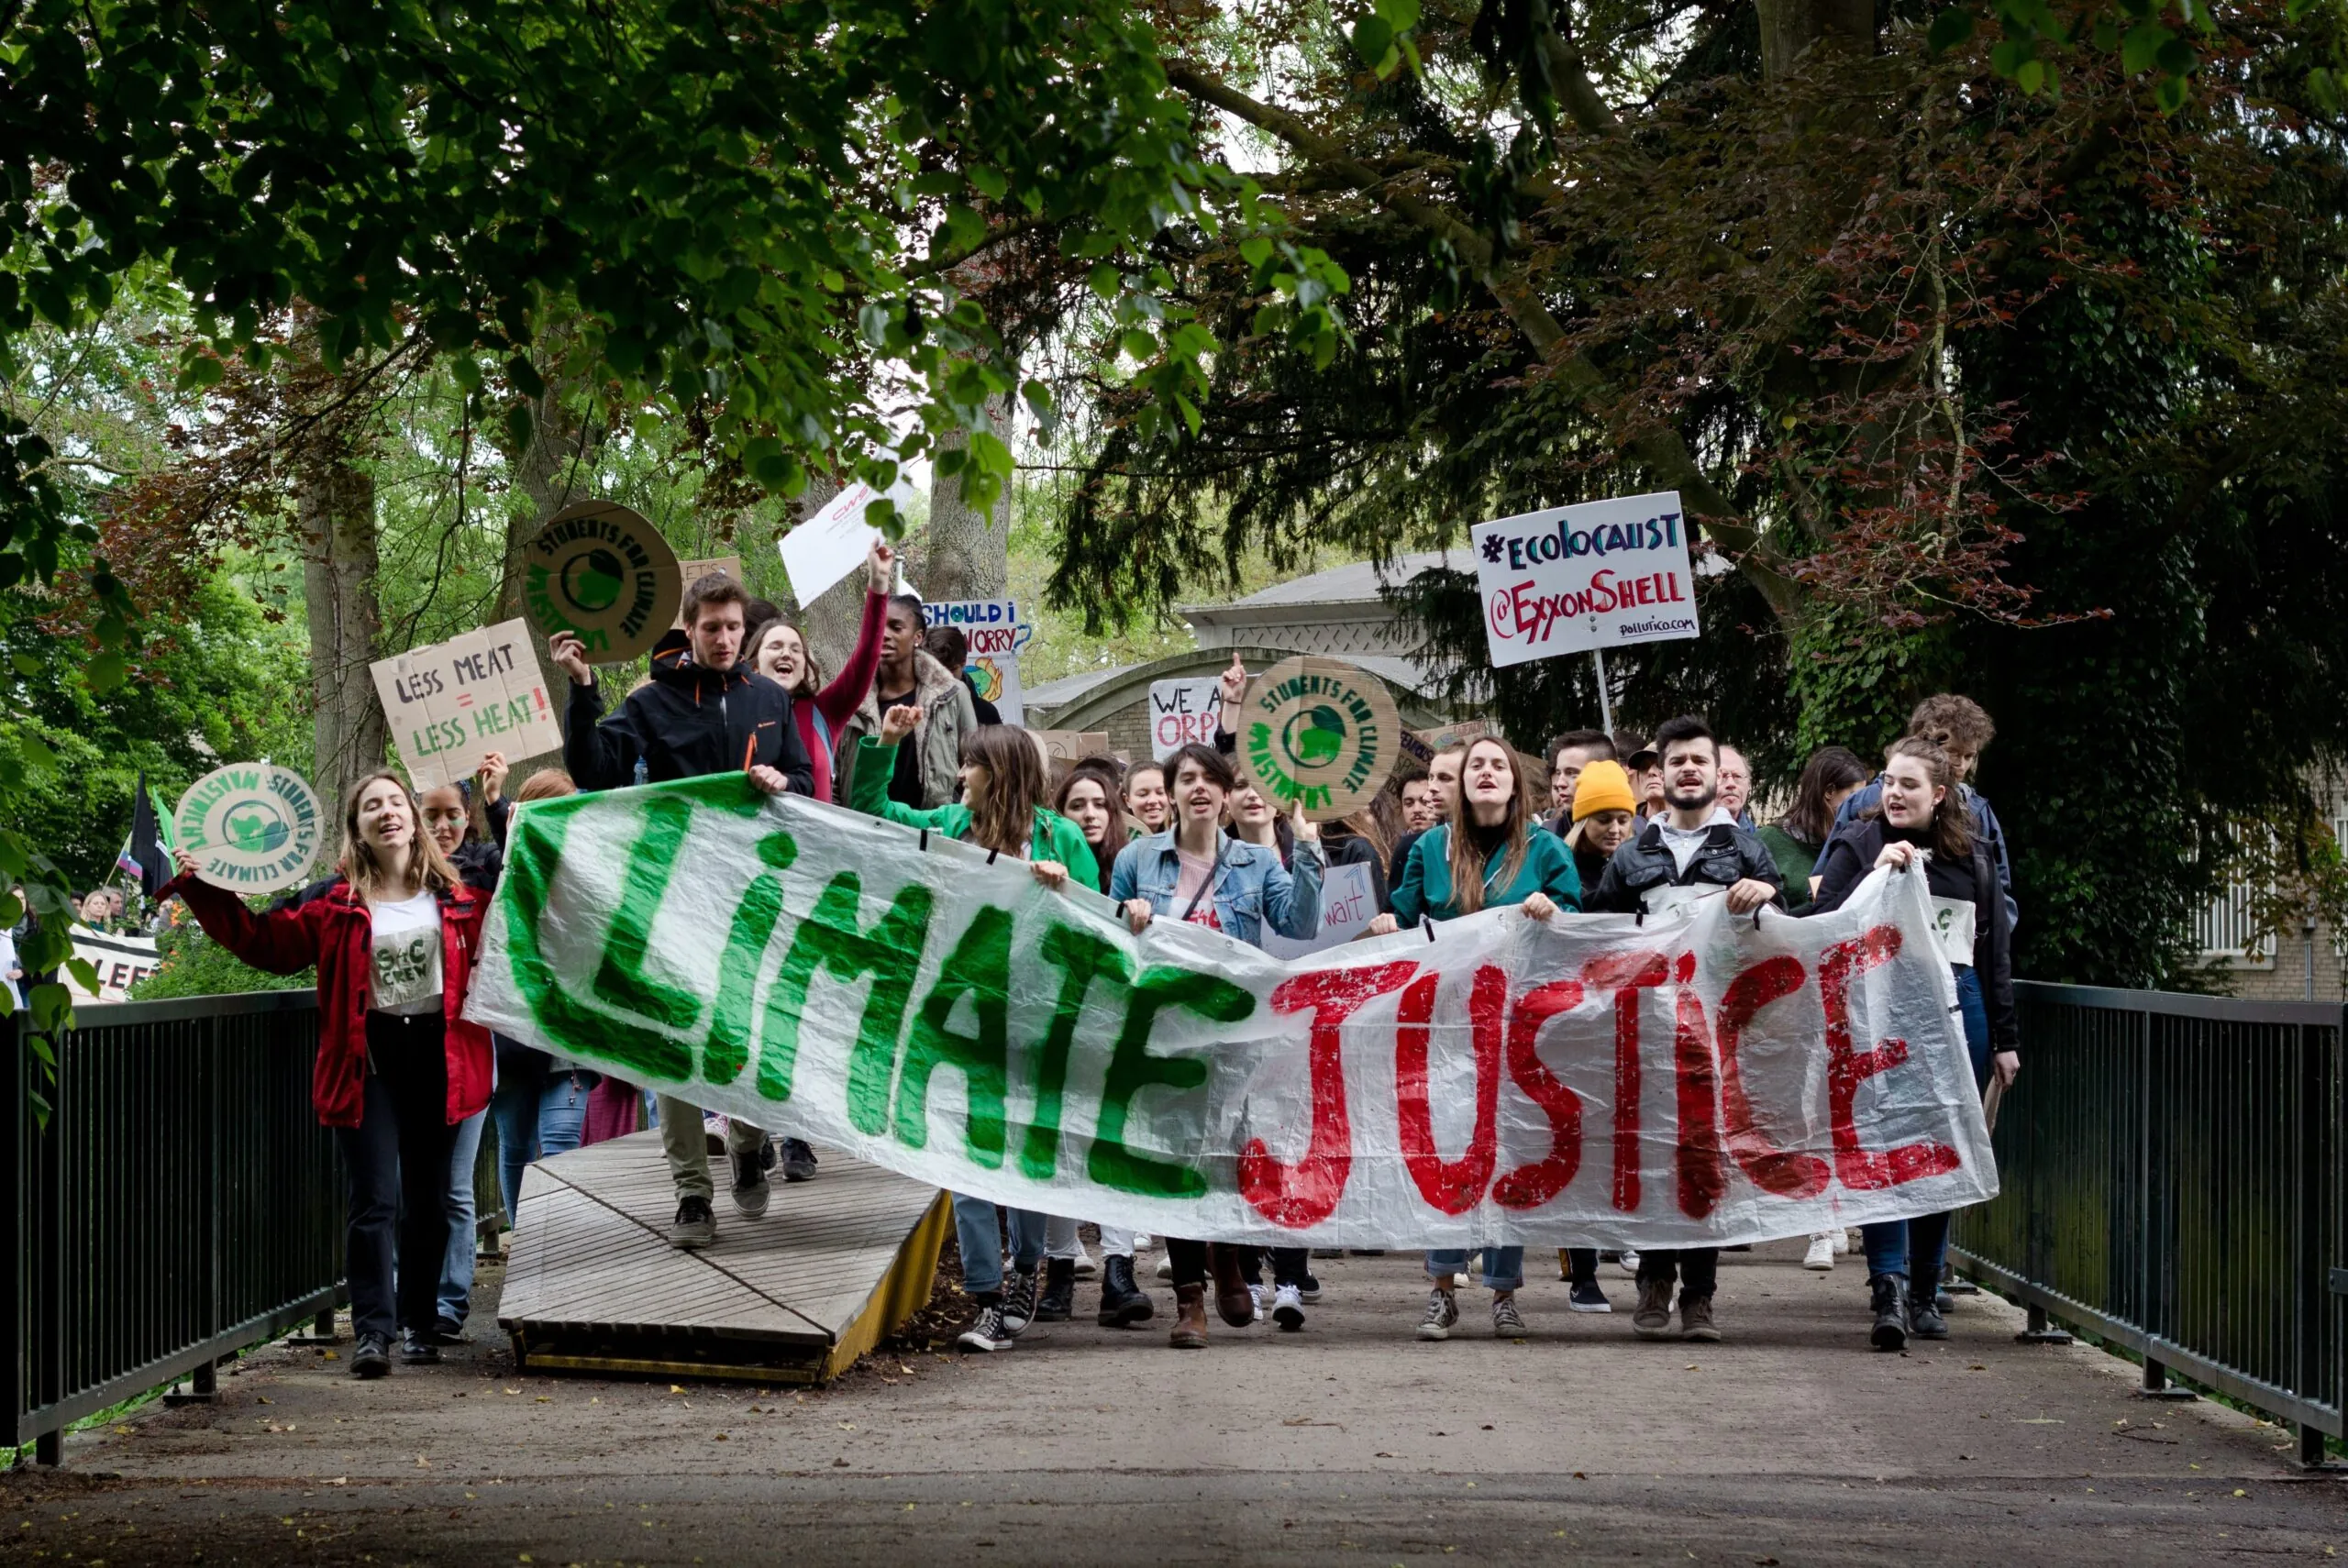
(1691, 851)
(697, 715)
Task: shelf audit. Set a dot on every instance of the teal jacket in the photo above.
(1425, 891)
(1057, 838)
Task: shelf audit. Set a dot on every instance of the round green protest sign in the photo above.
(255, 828)
(1320, 731)
(603, 573)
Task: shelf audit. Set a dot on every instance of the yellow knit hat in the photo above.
(1602, 787)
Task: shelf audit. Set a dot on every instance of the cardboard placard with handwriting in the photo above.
(452, 704)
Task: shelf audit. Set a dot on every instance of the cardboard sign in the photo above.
(692, 571)
(828, 545)
(1577, 577)
(1320, 731)
(603, 573)
(256, 828)
(121, 963)
(1181, 713)
(452, 704)
(1348, 903)
(1068, 746)
(995, 633)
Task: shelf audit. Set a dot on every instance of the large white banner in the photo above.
(1696, 1079)
(1576, 578)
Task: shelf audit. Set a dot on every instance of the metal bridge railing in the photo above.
(2172, 1171)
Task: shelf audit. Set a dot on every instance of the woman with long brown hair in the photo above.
(398, 1066)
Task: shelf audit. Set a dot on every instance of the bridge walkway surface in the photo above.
(1350, 1443)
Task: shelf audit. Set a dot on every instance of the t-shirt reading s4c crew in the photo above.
(406, 946)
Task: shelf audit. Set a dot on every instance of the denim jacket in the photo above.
(1251, 890)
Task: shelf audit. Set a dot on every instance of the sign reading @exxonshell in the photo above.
(1320, 731)
(603, 573)
(254, 828)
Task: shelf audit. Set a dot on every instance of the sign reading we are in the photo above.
(453, 703)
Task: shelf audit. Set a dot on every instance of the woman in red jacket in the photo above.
(778, 650)
(398, 1068)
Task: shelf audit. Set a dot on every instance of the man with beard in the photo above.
(1686, 853)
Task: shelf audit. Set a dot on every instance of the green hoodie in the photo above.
(1057, 838)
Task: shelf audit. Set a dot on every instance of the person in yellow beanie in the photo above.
(1605, 816)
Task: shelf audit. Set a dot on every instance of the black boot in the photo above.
(1924, 1319)
(1121, 1301)
(1890, 1303)
(1059, 1298)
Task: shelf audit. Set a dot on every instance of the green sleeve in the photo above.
(1057, 838)
(876, 764)
(1560, 877)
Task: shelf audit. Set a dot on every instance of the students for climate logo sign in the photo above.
(1319, 731)
(603, 573)
(255, 828)
(1577, 577)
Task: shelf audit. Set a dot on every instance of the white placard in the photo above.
(996, 634)
(828, 545)
(1348, 903)
(1181, 712)
(452, 704)
(121, 961)
(1577, 577)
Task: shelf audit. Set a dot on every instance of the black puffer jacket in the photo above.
(1730, 855)
(691, 720)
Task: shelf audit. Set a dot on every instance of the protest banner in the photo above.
(601, 572)
(1574, 579)
(1348, 903)
(1183, 712)
(1320, 731)
(452, 704)
(121, 962)
(1699, 1079)
(996, 635)
(254, 827)
(692, 571)
(825, 548)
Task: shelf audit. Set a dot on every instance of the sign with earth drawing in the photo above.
(1320, 731)
(601, 572)
(254, 827)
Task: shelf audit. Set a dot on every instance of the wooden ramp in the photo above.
(592, 1284)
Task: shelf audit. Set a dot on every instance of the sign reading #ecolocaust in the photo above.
(1577, 577)
(1320, 731)
(254, 827)
(600, 571)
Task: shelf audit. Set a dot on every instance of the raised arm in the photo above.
(281, 942)
(838, 701)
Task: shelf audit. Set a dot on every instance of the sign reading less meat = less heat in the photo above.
(603, 573)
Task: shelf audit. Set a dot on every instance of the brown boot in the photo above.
(1651, 1319)
(1232, 1301)
(1190, 1318)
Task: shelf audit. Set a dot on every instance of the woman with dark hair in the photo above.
(778, 650)
(1920, 822)
(1486, 856)
(1090, 798)
(1795, 840)
(1001, 809)
(398, 1067)
(1194, 872)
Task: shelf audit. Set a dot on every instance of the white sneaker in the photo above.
(1441, 1315)
(1628, 1263)
(1086, 1266)
(1165, 1268)
(1256, 1293)
(1142, 1243)
(1821, 1255)
(1843, 1241)
(1287, 1307)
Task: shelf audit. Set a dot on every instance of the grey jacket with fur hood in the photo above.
(947, 716)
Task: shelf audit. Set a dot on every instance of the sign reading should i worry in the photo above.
(1577, 577)
(452, 704)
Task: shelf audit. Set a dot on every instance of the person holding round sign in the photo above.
(1921, 820)
(399, 1068)
(1486, 856)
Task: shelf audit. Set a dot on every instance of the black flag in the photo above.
(147, 855)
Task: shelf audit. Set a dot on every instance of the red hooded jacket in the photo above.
(333, 931)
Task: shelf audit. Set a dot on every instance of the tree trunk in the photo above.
(549, 473)
(969, 549)
(334, 505)
(1791, 29)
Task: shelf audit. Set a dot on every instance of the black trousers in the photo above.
(1696, 1268)
(1581, 1265)
(1290, 1265)
(395, 1170)
(1189, 1261)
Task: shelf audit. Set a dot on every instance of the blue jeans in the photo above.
(1503, 1266)
(1918, 1247)
(982, 1241)
(537, 1115)
(457, 1268)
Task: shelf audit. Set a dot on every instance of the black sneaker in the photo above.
(749, 1185)
(798, 1160)
(1019, 1304)
(448, 1331)
(418, 1349)
(694, 1225)
(1587, 1297)
(988, 1333)
(1310, 1289)
(373, 1358)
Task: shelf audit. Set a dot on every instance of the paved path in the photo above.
(1351, 1442)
